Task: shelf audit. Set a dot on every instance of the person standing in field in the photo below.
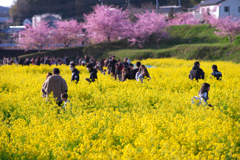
(125, 63)
(75, 73)
(55, 84)
(86, 59)
(142, 73)
(134, 71)
(125, 74)
(118, 69)
(216, 73)
(93, 73)
(111, 66)
(196, 72)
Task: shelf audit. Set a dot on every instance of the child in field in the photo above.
(203, 93)
(64, 97)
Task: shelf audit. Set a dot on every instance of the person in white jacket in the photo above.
(142, 73)
(203, 92)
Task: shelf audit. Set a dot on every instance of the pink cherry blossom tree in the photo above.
(68, 33)
(106, 24)
(227, 26)
(35, 37)
(149, 26)
(208, 16)
(182, 19)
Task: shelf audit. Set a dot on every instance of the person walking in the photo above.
(196, 72)
(216, 73)
(75, 73)
(55, 84)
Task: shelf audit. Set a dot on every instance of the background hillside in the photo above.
(186, 42)
(76, 8)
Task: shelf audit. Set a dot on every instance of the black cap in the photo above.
(72, 64)
(89, 66)
(56, 71)
(214, 67)
(131, 64)
(196, 63)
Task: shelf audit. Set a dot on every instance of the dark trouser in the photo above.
(59, 103)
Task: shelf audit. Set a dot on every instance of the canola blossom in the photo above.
(121, 120)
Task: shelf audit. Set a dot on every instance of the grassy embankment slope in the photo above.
(186, 42)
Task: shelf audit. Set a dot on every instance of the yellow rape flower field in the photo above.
(121, 120)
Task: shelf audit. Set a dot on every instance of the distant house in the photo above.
(167, 9)
(27, 21)
(3, 22)
(11, 32)
(222, 8)
(51, 18)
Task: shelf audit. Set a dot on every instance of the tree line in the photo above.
(107, 24)
(74, 9)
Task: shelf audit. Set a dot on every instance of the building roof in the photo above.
(168, 8)
(11, 30)
(211, 2)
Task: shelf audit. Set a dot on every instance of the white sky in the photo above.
(6, 3)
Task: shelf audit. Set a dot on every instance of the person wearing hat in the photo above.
(75, 73)
(93, 73)
(216, 73)
(55, 84)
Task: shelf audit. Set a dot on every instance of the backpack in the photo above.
(198, 101)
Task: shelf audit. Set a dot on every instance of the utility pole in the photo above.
(101, 2)
(157, 6)
(128, 4)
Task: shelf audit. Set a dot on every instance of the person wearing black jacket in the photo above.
(93, 73)
(111, 66)
(67, 61)
(21, 61)
(86, 59)
(47, 62)
(38, 62)
(216, 73)
(27, 62)
(75, 73)
(196, 72)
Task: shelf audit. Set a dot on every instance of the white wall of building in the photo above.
(220, 11)
(214, 10)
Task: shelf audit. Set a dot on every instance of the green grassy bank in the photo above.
(186, 42)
